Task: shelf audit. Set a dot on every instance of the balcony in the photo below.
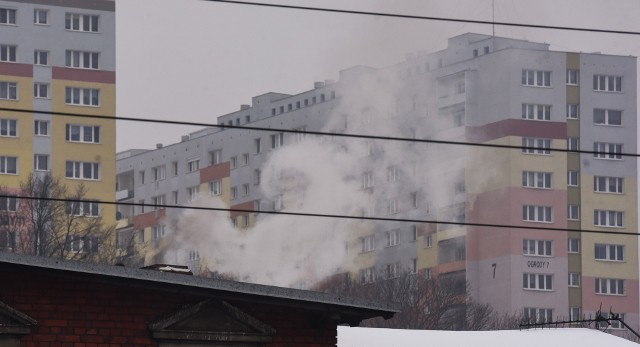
(124, 194)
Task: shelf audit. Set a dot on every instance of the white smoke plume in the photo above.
(324, 175)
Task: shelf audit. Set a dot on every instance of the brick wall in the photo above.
(86, 313)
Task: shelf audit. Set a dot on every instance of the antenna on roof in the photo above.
(493, 17)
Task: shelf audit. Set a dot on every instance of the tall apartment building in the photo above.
(480, 89)
(58, 56)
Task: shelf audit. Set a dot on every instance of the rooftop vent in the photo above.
(184, 138)
(317, 85)
(244, 106)
(158, 145)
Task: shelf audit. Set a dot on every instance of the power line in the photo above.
(440, 19)
(321, 133)
(319, 215)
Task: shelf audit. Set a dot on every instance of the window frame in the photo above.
(612, 219)
(78, 170)
(538, 112)
(86, 97)
(4, 165)
(11, 91)
(37, 18)
(9, 128)
(537, 282)
(573, 111)
(537, 248)
(81, 18)
(573, 242)
(573, 212)
(537, 214)
(602, 83)
(603, 286)
(537, 179)
(609, 252)
(38, 90)
(11, 15)
(536, 145)
(8, 53)
(39, 56)
(607, 184)
(37, 127)
(536, 78)
(37, 160)
(573, 77)
(607, 150)
(215, 187)
(606, 115)
(94, 132)
(574, 280)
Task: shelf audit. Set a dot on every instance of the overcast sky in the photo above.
(194, 60)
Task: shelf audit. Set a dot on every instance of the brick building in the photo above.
(53, 303)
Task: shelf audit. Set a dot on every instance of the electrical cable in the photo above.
(440, 19)
(319, 215)
(321, 133)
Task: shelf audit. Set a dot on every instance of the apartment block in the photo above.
(548, 133)
(57, 57)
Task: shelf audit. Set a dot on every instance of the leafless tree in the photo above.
(44, 224)
(438, 302)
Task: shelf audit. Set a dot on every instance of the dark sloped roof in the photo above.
(223, 289)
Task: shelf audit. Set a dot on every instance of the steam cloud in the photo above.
(325, 175)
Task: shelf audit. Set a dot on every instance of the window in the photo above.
(367, 275)
(245, 220)
(234, 192)
(607, 117)
(536, 179)
(141, 208)
(41, 58)
(615, 324)
(604, 83)
(574, 246)
(300, 134)
(141, 175)
(82, 133)
(258, 145)
(40, 16)
(428, 241)
(41, 127)
(608, 218)
(573, 212)
(8, 127)
(215, 187)
(413, 266)
(605, 150)
(573, 143)
(158, 202)
(391, 271)
(367, 180)
(193, 164)
(368, 243)
(246, 189)
(245, 159)
(427, 273)
(393, 237)
(8, 90)
(216, 157)
(486, 50)
(573, 111)
(277, 140)
(8, 204)
(7, 16)
(158, 231)
(574, 279)
(609, 252)
(609, 286)
(41, 162)
(413, 198)
(392, 174)
(41, 90)
(192, 193)
(536, 78)
(174, 197)
(256, 177)
(234, 162)
(82, 170)
(83, 208)
(8, 165)
(84, 244)
(533, 213)
(538, 315)
(536, 112)
(82, 60)
(392, 206)
(573, 77)
(604, 184)
(537, 281)
(536, 145)
(573, 178)
(277, 203)
(574, 313)
(475, 52)
(82, 96)
(194, 255)
(158, 173)
(81, 22)
(541, 248)
(174, 168)
(8, 53)
(413, 235)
